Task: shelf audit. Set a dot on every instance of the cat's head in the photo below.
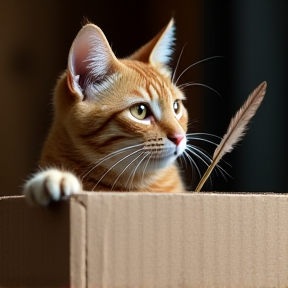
(125, 107)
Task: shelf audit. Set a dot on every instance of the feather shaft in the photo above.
(236, 129)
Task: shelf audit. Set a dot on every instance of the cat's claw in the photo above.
(51, 185)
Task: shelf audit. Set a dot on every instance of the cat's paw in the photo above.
(51, 185)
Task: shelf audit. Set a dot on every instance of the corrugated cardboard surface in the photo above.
(146, 240)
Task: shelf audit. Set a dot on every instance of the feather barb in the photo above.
(236, 129)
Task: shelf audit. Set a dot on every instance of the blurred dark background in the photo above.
(250, 35)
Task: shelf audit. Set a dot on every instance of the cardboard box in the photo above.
(146, 240)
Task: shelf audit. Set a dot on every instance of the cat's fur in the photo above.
(94, 134)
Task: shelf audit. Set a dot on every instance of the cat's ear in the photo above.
(159, 50)
(90, 60)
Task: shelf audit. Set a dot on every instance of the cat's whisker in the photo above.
(193, 150)
(115, 181)
(204, 134)
(109, 156)
(202, 139)
(113, 166)
(145, 167)
(185, 161)
(132, 175)
(156, 161)
(204, 154)
(178, 61)
(185, 85)
(191, 136)
(192, 162)
(184, 158)
(180, 159)
(190, 123)
(194, 64)
(223, 171)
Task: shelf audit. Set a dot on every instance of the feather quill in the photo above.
(236, 129)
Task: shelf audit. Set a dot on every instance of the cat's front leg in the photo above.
(51, 185)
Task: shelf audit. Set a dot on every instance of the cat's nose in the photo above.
(176, 138)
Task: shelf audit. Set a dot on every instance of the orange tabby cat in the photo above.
(119, 124)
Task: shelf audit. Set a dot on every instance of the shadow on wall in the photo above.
(33, 53)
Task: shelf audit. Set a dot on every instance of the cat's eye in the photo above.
(139, 111)
(176, 107)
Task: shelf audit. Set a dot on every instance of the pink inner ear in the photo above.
(90, 58)
(78, 61)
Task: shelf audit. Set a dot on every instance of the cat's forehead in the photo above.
(148, 73)
(151, 83)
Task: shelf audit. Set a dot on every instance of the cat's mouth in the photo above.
(164, 149)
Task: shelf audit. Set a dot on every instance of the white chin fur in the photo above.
(167, 161)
